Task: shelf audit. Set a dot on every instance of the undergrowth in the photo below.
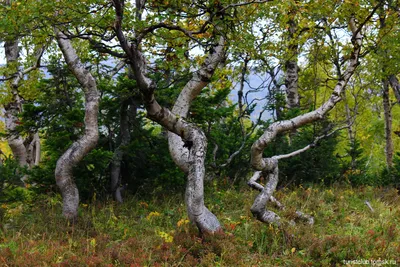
(156, 232)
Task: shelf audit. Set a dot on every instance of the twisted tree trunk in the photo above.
(193, 137)
(88, 140)
(269, 166)
(180, 151)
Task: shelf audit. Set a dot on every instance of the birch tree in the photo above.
(268, 167)
(26, 150)
(189, 154)
(88, 141)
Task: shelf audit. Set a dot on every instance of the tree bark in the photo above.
(33, 151)
(387, 110)
(394, 83)
(80, 148)
(180, 152)
(192, 89)
(120, 151)
(386, 98)
(14, 108)
(194, 138)
(292, 68)
(269, 166)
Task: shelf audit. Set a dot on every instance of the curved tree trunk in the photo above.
(180, 151)
(194, 138)
(269, 166)
(88, 140)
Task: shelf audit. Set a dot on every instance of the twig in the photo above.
(369, 206)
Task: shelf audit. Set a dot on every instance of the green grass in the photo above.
(156, 232)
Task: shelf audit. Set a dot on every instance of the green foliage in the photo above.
(219, 120)
(354, 166)
(316, 165)
(148, 165)
(391, 176)
(10, 180)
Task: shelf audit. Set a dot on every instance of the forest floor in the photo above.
(156, 232)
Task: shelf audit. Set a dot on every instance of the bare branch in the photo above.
(312, 145)
(245, 4)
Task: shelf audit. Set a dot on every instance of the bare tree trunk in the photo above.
(387, 110)
(80, 148)
(33, 151)
(193, 137)
(269, 166)
(120, 151)
(292, 68)
(386, 98)
(180, 151)
(13, 108)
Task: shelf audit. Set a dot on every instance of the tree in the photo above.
(88, 140)
(269, 166)
(26, 151)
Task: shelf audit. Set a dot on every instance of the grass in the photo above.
(156, 232)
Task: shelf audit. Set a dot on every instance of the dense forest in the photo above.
(212, 133)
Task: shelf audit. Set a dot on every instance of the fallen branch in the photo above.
(369, 206)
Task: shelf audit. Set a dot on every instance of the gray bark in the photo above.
(13, 108)
(194, 166)
(88, 140)
(292, 68)
(193, 137)
(269, 166)
(33, 151)
(387, 110)
(192, 89)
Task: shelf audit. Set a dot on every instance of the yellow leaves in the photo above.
(245, 218)
(182, 222)
(293, 250)
(348, 192)
(144, 205)
(93, 242)
(15, 212)
(168, 238)
(153, 214)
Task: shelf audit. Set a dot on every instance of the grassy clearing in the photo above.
(156, 232)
